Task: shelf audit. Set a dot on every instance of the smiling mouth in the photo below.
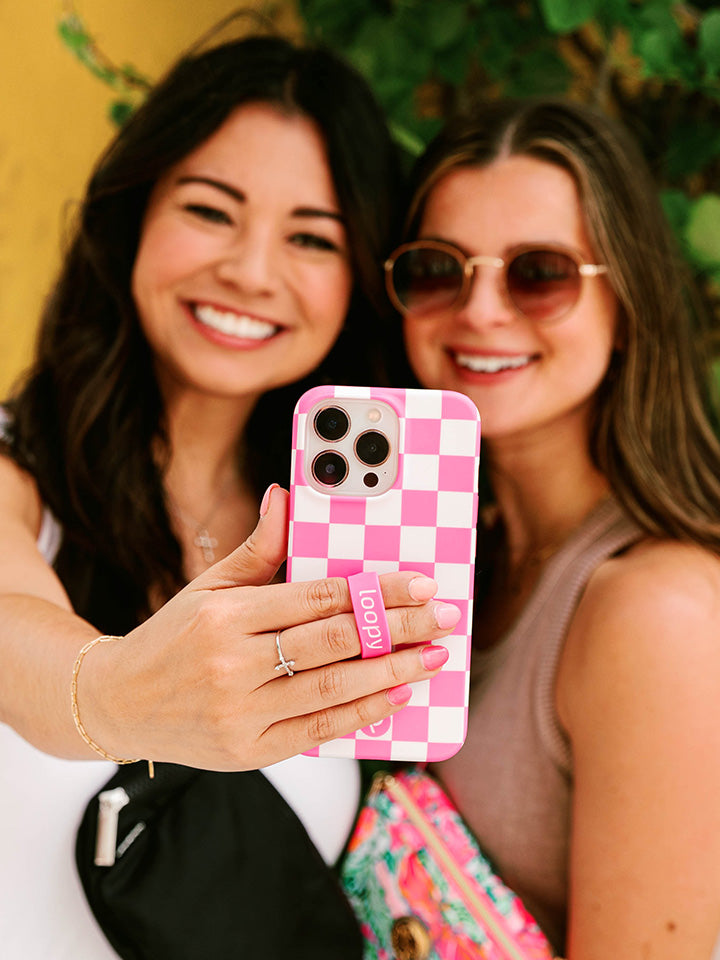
(234, 324)
(490, 364)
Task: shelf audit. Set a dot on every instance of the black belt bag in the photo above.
(198, 865)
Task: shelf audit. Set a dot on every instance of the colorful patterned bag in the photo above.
(420, 886)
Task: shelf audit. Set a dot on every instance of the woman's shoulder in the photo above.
(648, 616)
(19, 496)
(643, 642)
(655, 577)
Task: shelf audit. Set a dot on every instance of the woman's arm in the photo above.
(39, 633)
(639, 693)
(196, 683)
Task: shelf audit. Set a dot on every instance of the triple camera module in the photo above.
(361, 456)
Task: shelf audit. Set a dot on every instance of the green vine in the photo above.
(127, 83)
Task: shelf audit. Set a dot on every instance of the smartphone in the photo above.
(382, 480)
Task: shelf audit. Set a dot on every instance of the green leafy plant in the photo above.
(128, 85)
(654, 64)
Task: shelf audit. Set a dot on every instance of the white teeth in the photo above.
(234, 324)
(484, 364)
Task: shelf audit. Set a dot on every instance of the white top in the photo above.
(43, 912)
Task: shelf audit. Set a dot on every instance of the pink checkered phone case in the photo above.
(397, 490)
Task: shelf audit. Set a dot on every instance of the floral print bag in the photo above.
(420, 886)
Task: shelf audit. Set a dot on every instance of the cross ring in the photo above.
(284, 664)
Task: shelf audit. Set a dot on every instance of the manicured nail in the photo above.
(434, 657)
(422, 588)
(266, 499)
(446, 615)
(398, 695)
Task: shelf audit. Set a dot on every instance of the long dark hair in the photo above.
(653, 434)
(89, 415)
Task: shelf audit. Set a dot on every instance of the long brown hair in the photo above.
(653, 434)
(89, 415)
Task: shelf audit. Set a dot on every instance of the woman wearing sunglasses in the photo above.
(539, 279)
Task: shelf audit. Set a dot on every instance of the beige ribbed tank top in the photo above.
(512, 779)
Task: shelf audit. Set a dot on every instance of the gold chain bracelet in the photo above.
(76, 710)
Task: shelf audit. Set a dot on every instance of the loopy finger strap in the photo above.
(369, 612)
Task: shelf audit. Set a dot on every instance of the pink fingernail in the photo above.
(434, 657)
(446, 615)
(266, 499)
(422, 588)
(398, 695)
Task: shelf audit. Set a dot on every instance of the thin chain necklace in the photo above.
(203, 539)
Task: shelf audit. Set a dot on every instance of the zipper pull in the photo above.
(111, 803)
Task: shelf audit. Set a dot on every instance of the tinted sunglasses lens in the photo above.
(427, 280)
(543, 284)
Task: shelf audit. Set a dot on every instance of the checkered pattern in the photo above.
(426, 523)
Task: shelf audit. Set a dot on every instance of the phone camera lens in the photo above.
(372, 448)
(331, 423)
(370, 479)
(329, 468)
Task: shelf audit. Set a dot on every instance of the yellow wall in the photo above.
(53, 124)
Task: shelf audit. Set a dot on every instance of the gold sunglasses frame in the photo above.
(469, 264)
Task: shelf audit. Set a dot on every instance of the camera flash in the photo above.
(374, 415)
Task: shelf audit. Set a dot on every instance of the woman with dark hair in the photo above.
(226, 256)
(539, 279)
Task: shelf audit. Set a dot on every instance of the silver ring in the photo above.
(284, 664)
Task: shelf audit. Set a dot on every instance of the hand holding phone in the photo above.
(382, 480)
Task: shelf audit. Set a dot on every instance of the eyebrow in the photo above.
(317, 212)
(240, 197)
(218, 184)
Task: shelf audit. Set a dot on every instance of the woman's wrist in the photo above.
(79, 718)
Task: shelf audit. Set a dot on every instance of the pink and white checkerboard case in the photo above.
(426, 522)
